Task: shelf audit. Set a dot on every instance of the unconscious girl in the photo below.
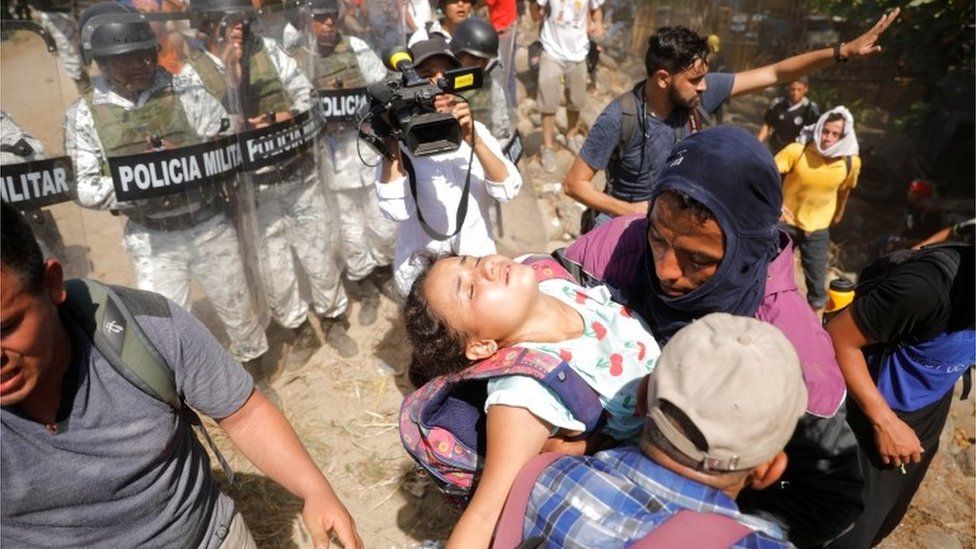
(463, 309)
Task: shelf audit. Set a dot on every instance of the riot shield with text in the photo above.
(35, 175)
(290, 216)
(159, 151)
(340, 66)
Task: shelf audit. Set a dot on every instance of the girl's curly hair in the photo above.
(437, 349)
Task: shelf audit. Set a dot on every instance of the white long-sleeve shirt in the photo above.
(440, 183)
(81, 142)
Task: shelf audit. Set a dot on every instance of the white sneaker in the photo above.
(548, 160)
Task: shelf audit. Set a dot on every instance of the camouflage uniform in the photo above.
(291, 209)
(172, 238)
(18, 146)
(367, 236)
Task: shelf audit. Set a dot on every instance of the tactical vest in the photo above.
(480, 102)
(124, 132)
(264, 93)
(341, 65)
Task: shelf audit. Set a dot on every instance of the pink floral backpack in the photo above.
(442, 424)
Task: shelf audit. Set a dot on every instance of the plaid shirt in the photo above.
(616, 497)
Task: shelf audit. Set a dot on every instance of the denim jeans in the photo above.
(813, 255)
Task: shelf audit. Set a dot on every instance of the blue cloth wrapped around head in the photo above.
(733, 175)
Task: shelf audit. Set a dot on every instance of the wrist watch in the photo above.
(837, 56)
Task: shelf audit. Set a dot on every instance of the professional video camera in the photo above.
(403, 107)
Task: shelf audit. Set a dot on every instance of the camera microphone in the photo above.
(400, 60)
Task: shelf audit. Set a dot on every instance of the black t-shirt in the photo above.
(913, 296)
(785, 123)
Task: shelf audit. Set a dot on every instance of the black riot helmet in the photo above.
(324, 7)
(475, 36)
(110, 28)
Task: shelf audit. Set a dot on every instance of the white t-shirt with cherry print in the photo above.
(614, 353)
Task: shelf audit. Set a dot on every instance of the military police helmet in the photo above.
(475, 36)
(324, 7)
(110, 28)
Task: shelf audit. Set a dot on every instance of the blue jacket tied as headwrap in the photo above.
(734, 176)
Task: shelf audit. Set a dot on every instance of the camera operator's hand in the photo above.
(391, 168)
(462, 112)
(445, 102)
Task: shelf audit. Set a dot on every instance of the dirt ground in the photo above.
(346, 410)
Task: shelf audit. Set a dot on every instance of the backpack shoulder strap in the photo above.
(508, 532)
(114, 331)
(549, 370)
(119, 338)
(700, 119)
(628, 120)
(547, 268)
(688, 528)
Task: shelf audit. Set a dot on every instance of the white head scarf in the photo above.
(845, 146)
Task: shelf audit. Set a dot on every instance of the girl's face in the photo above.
(482, 298)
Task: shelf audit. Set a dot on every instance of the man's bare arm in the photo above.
(896, 442)
(806, 63)
(763, 134)
(578, 185)
(268, 441)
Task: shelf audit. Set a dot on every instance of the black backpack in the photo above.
(698, 119)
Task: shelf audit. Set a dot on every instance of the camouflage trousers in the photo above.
(367, 236)
(294, 221)
(166, 261)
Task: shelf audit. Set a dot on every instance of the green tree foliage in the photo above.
(930, 38)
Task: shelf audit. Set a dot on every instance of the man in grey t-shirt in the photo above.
(88, 459)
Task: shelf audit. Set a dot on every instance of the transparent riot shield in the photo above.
(280, 21)
(379, 23)
(286, 216)
(340, 66)
(159, 151)
(36, 176)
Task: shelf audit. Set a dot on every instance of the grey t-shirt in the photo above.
(638, 169)
(123, 469)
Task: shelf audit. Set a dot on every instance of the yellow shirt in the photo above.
(811, 184)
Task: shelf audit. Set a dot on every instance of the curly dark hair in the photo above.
(437, 349)
(674, 49)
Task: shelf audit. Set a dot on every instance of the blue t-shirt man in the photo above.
(631, 176)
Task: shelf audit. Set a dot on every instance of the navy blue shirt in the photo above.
(632, 181)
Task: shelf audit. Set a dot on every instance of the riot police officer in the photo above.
(475, 44)
(134, 106)
(18, 146)
(340, 66)
(262, 84)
